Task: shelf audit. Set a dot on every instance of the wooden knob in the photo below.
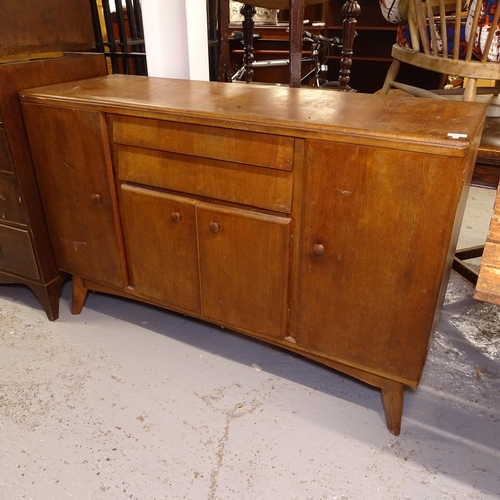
(176, 216)
(214, 227)
(96, 198)
(318, 250)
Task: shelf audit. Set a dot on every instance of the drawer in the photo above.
(251, 148)
(16, 252)
(11, 208)
(5, 161)
(258, 187)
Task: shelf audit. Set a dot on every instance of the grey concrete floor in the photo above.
(127, 401)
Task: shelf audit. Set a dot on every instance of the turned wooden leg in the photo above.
(79, 294)
(392, 397)
(248, 11)
(296, 30)
(350, 10)
(48, 295)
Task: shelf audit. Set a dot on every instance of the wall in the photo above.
(176, 38)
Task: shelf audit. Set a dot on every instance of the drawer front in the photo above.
(251, 148)
(16, 252)
(5, 161)
(243, 184)
(11, 208)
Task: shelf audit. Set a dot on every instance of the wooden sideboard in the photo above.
(25, 251)
(318, 221)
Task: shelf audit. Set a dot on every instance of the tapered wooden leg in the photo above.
(391, 76)
(48, 295)
(79, 294)
(470, 90)
(392, 397)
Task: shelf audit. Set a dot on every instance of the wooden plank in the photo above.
(488, 284)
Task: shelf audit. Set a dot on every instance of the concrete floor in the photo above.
(128, 401)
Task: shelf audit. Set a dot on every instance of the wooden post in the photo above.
(223, 72)
(350, 10)
(296, 29)
(248, 11)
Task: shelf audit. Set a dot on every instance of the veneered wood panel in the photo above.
(36, 27)
(265, 150)
(16, 252)
(385, 220)
(73, 165)
(161, 248)
(244, 267)
(221, 180)
(5, 161)
(11, 206)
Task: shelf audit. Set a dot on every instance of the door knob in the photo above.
(214, 227)
(318, 250)
(176, 216)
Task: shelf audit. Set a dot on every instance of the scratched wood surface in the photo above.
(33, 29)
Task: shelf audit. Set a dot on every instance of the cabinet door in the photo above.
(73, 166)
(244, 268)
(375, 239)
(161, 248)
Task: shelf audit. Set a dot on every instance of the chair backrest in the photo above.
(454, 37)
(461, 29)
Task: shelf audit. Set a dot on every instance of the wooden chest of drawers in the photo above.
(321, 222)
(25, 249)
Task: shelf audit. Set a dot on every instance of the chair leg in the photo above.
(464, 269)
(391, 76)
(470, 90)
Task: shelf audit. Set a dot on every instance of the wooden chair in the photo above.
(350, 11)
(434, 45)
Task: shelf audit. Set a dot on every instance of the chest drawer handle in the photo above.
(318, 250)
(176, 216)
(214, 227)
(95, 198)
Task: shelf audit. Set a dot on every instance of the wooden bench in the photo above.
(486, 175)
(487, 169)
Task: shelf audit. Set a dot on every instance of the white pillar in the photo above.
(176, 38)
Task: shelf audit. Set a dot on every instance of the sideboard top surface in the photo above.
(406, 123)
